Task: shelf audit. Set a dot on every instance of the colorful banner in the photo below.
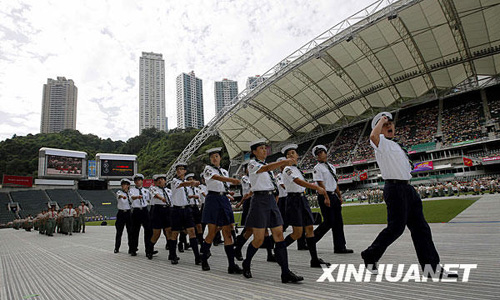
(92, 170)
(423, 166)
(468, 162)
(363, 176)
(359, 161)
(491, 158)
(22, 181)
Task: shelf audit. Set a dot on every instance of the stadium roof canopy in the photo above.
(383, 56)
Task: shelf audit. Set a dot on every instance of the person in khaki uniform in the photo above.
(83, 214)
(50, 220)
(68, 218)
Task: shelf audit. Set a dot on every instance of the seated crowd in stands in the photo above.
(462, 123)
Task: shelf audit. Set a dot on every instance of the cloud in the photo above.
(98, 45)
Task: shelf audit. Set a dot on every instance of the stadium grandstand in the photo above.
(434, 64)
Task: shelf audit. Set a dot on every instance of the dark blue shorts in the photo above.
(298, 212)
(196, 214)
(263, 212)
(244, 214)
(217, 210)
(160, 216)
(181, 217)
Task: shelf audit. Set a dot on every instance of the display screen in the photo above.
(119, 168)
(63, 165)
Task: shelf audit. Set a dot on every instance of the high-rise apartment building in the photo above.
(152, 92)
(59, 105)
(225, 91)
(189, 101)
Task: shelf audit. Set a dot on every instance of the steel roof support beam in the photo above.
(287, 98)
(451, 14)
(269, 113)
(247, 125)
(308, 82)
(373, 59)
(411, 45)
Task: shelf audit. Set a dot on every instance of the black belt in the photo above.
(181, 207)
(397, 181)
(140, 208)
(295, 194)
(217, 193)
(161, 205)
(193, 205)
(263, 192)
(124, 210)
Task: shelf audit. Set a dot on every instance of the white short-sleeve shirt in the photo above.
(202, 190)
(121, 203)
(321, 173)
(289, 174)
(179, 197)
(259, 181)
(392, 160)
(245, 185)
(164, 192)
(212, 184)
(134, 192)
(281, 189)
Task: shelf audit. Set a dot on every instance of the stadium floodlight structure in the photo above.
(379, 58)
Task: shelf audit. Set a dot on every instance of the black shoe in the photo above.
(197, 261)
(246, 270)
(370, 264)
(166, 246)
(181, 249)
(174, 261)
(442, 273)
(215, 244)
(187, 246)
(133, 253)
(116, 251)
(237, 254)
(290, 277)
(234, 269)
(317, 263)
(343, 251)
(149, 255)
(205, 266)
(271, 258)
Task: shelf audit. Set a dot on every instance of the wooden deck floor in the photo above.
(83, 266)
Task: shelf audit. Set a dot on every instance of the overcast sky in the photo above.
(98, 45)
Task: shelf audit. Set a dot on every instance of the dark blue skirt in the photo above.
(263, 212)
(181, 218)
(217, 210)
(160, 216)
(244, 214)
(298, 212)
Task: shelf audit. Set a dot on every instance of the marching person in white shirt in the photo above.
(298, 212)
(217, 211)
(404, 206)
(264, 212)
(140, 215)
(160, 211)
(123, 202)
(181, 213)
(325, 175)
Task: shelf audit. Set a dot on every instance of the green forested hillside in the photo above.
(156, 150)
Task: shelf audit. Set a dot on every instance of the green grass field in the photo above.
(436, 211)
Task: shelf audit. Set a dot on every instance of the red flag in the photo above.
(468, 162)
(363, 176)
